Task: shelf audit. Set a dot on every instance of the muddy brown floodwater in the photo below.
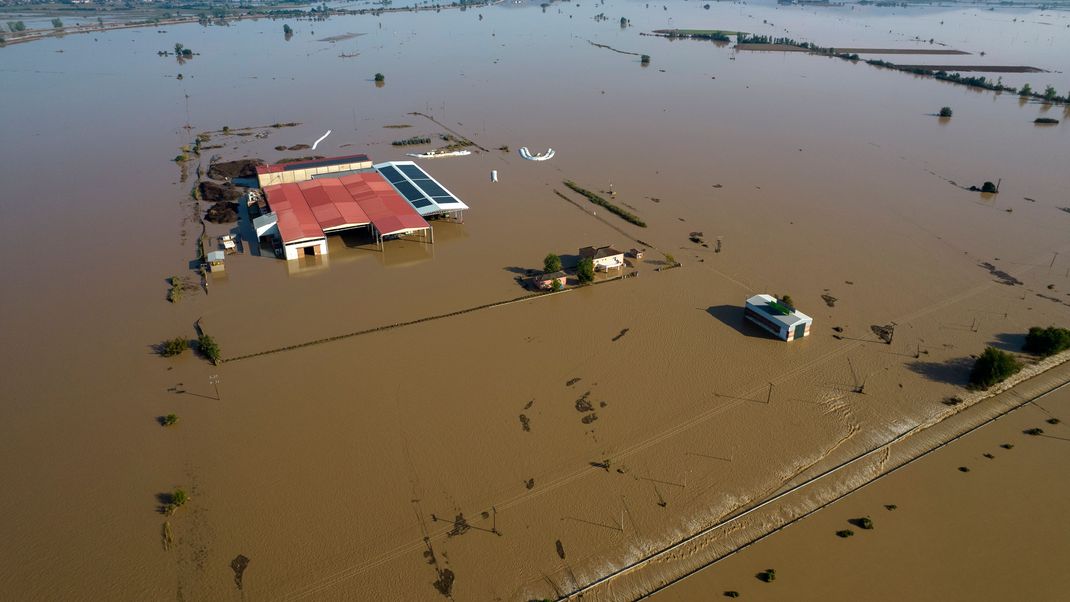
(334, 465)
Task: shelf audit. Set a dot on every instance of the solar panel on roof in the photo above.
(445, 200)
(392, 174)
(421, 203)
(408, 190)
(431, 188)
(413, 171)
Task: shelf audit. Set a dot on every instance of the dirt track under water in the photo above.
(336, 470)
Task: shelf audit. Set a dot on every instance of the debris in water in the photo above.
(460, 526)
(829, 299)
(444, 583)
(884, 332)
(525, 423)
(573, 381)
(582, 405)
(560, 549)
(621, 334)
(589, 418)
(529, 484)
(238, 565)
(1000, 275)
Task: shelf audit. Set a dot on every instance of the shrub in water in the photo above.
(993, 366)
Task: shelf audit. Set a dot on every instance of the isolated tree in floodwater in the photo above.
(945, 112)
(551, 263)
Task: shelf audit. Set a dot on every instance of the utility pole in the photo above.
(214, 381)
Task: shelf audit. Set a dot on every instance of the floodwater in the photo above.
(339, 470)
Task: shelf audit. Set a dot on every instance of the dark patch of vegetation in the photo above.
(890, 507)
(945, 112)
(287, 30)
(208, 348)
(16, 26)
(1035, 431)
(1007, 445)
(598, 200)
(57, 23)
(787, 300)
(730, 593)
(766, 576)
(168, 420)
(1053, 420)
(379, 78)
(644, 59)
(845, 533)
(863, 522)
(1045, 121)
(993, 366)
(744, 38)
(173, 501)
(412, 141)
(964, 469)
(173, 347)
(989, 187)
(1047, 341)
(585, 270)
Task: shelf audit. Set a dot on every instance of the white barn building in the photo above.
(786, 323)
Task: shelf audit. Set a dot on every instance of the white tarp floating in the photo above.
(549, 154)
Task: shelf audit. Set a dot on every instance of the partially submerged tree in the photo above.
(379, 77)
(1047, 341)
(57, 23)
(993, 366)
(945, 112)
(1026, 90)
(551, 263)
(585, 270)
(209, 348)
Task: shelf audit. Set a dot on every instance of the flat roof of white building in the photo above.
(423, 192)
(768, 306)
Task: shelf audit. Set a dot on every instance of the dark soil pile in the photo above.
(228, 170)
(214, 192)
(223, 212)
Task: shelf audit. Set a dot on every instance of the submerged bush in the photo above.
(993, 366)
(945, 112)
(1047, 341)
(767, 576)
(173, 347)
(208, 347)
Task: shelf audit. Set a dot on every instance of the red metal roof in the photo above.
(332, 204)
(305, 209)
(296, 219)
(388, 211)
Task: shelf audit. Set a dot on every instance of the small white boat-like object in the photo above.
(525, 153)
(435, 155)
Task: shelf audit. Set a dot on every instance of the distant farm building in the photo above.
(786, 323)
(301, 171)
(546, 281)
(306, 201)
(216, 261)
(604, 258)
